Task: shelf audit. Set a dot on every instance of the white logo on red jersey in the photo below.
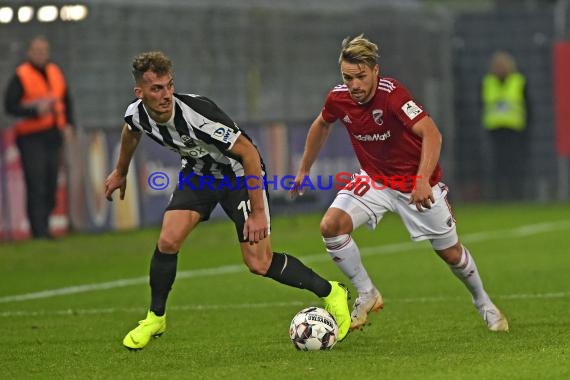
(347, 120)
(377, 116)
(411, 109)
(374, 137)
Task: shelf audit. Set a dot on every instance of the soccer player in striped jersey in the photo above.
(398, 146)
(211, 146)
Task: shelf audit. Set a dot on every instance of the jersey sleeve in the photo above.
(129, 116)
(329, 109)
(218, 134)
(218, 128)
(407, 110)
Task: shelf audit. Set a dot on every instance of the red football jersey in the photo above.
(380, 132)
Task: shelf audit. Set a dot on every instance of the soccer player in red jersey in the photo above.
(398, 146)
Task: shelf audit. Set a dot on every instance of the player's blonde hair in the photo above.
(359, 50)
(154, 61)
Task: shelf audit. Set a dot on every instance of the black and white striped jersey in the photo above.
(198, 130)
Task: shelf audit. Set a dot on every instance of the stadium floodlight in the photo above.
(6, 15)
(73, 12)
(47, 13)
(25, 14)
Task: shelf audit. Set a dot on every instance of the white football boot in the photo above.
(495, 320)
(364, 304)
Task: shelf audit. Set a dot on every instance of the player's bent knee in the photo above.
(168, 244)
(335, 222)
(256, 262)
(257, 266)
(330, 227)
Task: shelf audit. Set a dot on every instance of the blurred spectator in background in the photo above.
(505, 114)
(37, 94)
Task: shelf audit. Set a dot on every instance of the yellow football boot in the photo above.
(151, 326)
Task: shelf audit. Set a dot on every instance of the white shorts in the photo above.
(436, 224)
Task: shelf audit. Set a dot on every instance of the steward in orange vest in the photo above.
(37, 95)
(48, 86)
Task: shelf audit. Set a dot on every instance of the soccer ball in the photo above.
(313, 329)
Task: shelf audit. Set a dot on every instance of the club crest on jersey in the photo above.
(187, 140)
(377, 116)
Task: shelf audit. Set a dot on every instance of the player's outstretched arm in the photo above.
(316, 138)
(118, 177)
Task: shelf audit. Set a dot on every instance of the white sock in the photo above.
(346, 256)
(466, 271)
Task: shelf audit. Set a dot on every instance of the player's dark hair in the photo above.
(359, 50)
(154, 61)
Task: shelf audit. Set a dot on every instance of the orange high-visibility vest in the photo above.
(36, 88)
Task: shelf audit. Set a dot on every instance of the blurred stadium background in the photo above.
(269, 64)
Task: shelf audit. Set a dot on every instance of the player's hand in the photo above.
(421, 195)
(256, 228)
(297, 190)
(115, 181)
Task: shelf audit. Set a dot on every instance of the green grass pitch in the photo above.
(66, 305)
